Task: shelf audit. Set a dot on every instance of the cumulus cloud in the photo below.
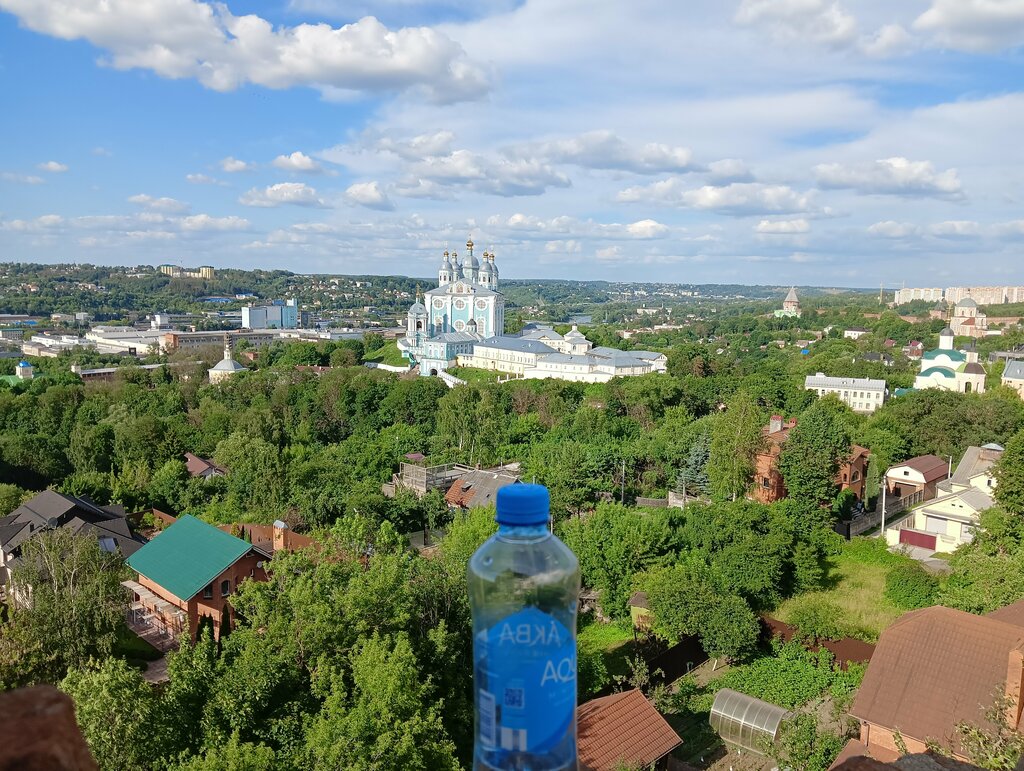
(23, 179)
(647, 229)
(605, 150)
(893, 229)
(167, 205)
(609, 253)
(193, 39)
(783, 227)
(202, 179)
(283, 193)
(738, 198)
(206, 223)
(974, 25)
(101, 152)
(955, 229)
(890, 176)
(422, 188)
(729, 170)
(889, 40)
(232, 165)
(53, 167)
(789, 21)
(419, 147)
(484, 175)
(297, 161)
(37, 225)
(370, 195)
(566, 246)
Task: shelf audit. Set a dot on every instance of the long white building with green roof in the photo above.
(949, 369)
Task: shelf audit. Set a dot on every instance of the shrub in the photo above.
(910, 586)
(815, 618)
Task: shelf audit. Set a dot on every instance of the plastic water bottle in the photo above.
(524, 586)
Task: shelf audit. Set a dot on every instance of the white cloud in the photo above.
(166, 205)
(102, 152)
(192, 39)
(202, 179)
(738, 198)
(609, 253)
(297, 161)
(729, 170)
(370, 195)
(783, 227)
(955, 229)
(232, 165)
(605, 150)
(974, 25)
(419, 147)
(890, 176)
(53, 167)
(893, 229)
(483, 175)
(294, 193)
(422, 188)
(204, 222)
(799, 21)
(1013, 229)
(889, 40)
(24, 179)
(37, 225)
(567, 246)
(647, 229)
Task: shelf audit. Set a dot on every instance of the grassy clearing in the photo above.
(857, 583)
(474, 375)
(614, 641)
(389, 355)
(133, 649)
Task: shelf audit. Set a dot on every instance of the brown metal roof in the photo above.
(933, 669)
(623, 728)
(931, 467)
(1009, 614)
(477, 488)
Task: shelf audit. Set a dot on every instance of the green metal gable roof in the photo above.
(952, 355)
(944, 371)
(187, 556)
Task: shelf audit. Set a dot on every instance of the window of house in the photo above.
(906, 473)
(766, 482)
(225, 587)
(208, 592)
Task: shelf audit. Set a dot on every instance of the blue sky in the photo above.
(828, 142)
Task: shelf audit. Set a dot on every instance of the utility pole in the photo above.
(622, 495)
(883, 507)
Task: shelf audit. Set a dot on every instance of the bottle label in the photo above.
(526, 681)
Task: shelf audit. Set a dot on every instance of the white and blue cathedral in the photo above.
(465, 308)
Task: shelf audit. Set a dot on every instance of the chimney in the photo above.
(280, 536)
(775, 424)
(1014, 683)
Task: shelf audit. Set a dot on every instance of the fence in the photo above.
(450, 380)
(652, 503)
(847, 650)
(893, 506)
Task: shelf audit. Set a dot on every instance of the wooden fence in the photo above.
(847, 650)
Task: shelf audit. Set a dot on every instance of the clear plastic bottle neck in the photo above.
(524, 532)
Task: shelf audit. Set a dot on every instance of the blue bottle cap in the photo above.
(523, 504)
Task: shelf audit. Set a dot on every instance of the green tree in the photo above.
(116, 710)
(386, 720)
(11, 497)
(812, 455)
(735, 440)
(816, 619)
(693, 473)
(995, 745)
(236, 755)
(77, 605)
(1009, 474)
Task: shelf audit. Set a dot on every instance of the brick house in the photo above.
(189, 572)
(933, 669)
(917, 475)
(768, 483)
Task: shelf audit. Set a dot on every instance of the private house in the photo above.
(861, 395)
(950, 520)
(914, 350)
(623, 730)
(202, 468)
(935, 668)
(50, 509)
(188, 573)
(1013, 376)
(768, 483)
(920, 475)
(855, 333)
(478, 488)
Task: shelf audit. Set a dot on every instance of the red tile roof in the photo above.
(935, 668)
(622, 728)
